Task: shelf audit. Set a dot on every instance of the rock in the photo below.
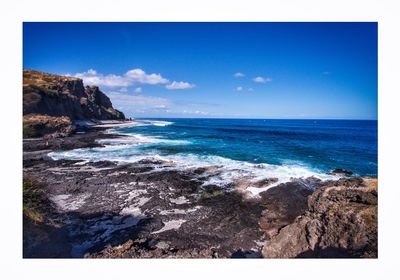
(265, 182)
(162, 245)
(43, 125)
(341, 221)
(339, 171)
(54, 95)
(282, 204)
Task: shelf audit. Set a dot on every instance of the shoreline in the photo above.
(142, 210)
(117, 124)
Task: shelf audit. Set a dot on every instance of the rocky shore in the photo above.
(144, 210)
(340, 221)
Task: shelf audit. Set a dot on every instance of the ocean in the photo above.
(251, 148)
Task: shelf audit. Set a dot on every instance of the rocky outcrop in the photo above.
(43, 125)
(341, 221)
(54, 95)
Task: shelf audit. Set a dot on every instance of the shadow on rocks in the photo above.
(81, 234)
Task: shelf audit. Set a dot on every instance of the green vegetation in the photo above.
(34, 200)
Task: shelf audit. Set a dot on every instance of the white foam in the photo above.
(161, 123)
(139, 139)
(219, 170)
(155, 123)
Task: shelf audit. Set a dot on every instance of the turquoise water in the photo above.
(319, 144)
(249, 151)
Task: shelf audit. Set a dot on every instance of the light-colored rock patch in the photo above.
(179, 211)
(179, 200)
(170, 225)
(67, 202)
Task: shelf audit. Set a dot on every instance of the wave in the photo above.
(154, 123)
(138, 140)
(220, 171)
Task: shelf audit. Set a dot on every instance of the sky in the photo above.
(217, 70)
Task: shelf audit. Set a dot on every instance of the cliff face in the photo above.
(55, 95)
(36, 125)
(341, 221)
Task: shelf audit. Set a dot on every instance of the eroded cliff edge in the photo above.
(54, 95)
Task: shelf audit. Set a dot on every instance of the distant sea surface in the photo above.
(319, 144)
(258, 148)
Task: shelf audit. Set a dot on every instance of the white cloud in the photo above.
(179, 85)
(263, 80)
(139, 76)
(238, 75)
(91, 77)
(134, 76)
(242, 89)
(138, 90)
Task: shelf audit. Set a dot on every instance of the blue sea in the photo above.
(250, 148)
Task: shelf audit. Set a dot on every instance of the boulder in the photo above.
(341, 221)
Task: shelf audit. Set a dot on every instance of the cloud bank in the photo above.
(132, 77)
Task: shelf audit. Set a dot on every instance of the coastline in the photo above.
(116, 124)
(142, 210)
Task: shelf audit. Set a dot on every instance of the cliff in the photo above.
(54, 95)
(35, 125)
(341, 221)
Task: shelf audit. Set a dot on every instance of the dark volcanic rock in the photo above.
(339, 171)
(341, 221)
(149, 209)
(54, 95)
(282, 204)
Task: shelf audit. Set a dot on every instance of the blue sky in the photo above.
(236, 70)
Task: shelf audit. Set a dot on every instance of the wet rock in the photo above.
(339, 171)
(140, 210)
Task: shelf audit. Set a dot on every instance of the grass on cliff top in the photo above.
(34, 200)
(40, 78)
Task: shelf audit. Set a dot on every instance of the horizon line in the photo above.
(250, 118)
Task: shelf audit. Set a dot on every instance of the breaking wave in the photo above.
(218, 170)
